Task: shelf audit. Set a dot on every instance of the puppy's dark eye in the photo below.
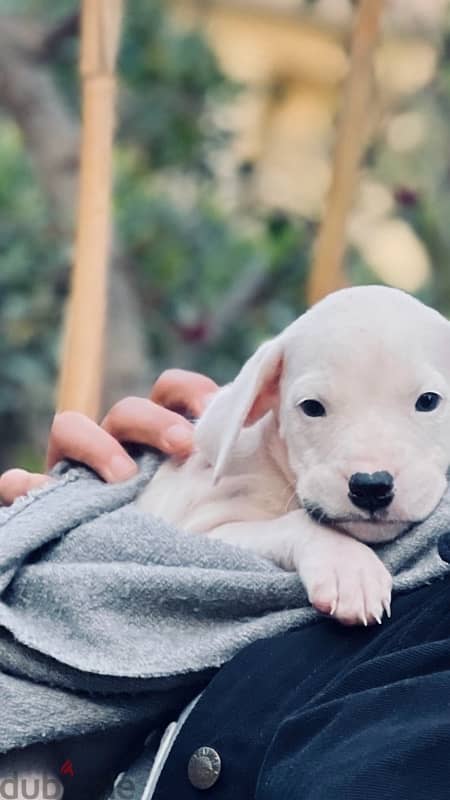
(428, 401)
(312, 408)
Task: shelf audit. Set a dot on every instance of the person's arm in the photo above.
(157, 422)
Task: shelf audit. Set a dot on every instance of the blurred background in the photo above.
(226, 128)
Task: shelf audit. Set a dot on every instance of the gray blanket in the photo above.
(110, 616)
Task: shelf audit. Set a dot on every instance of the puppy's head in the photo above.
(360, 387)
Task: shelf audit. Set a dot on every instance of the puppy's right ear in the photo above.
(253, 393)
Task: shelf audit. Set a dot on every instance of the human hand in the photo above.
(155, 421)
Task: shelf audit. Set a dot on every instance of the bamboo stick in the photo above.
(82, 368)
(327, 273)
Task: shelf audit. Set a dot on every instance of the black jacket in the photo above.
(330, 713)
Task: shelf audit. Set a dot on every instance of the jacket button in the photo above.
(204, 768)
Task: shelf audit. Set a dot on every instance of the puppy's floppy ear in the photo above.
(251, 395)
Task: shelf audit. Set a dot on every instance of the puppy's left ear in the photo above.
(253, 393)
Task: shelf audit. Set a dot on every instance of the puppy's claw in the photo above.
(387, 608)
(378, 619)
(364, 620)
(333, 608)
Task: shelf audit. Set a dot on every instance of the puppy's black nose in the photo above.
(371, 491)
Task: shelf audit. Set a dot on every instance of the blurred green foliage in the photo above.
(189, 259)
(31, 262)
(183, 258)
(186, 254)
(167, 78)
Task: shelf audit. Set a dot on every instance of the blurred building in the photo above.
(291, 59)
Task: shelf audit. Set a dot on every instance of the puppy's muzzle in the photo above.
(371, 491)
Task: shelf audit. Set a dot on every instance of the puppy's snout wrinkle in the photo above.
(371, 491)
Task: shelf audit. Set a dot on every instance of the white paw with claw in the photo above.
(346, 579)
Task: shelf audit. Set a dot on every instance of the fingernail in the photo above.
(121, 468)
(178, 437)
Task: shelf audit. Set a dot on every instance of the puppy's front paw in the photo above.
(344, 578)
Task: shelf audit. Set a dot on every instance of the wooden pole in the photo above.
(327, 272)
(82, 367)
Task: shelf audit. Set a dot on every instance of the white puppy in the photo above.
(335, 433)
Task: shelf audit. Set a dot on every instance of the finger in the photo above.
(75, 436)
(17, 482)
(182, 390)
(137, 419)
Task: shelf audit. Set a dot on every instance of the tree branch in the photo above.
(67, 28)
(240, 297)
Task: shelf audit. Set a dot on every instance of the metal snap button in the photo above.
(204, 768)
